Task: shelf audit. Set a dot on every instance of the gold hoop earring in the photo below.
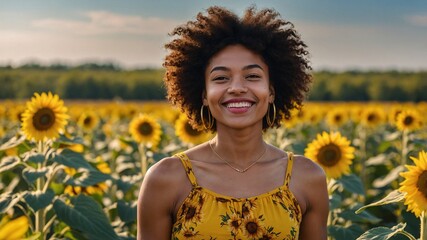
(270, 122)
(210, 119)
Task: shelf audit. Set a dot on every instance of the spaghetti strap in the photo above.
(188, 168)
(289, 168)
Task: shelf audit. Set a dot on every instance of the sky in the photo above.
(341, 35)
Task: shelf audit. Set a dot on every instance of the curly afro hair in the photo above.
(262, 32)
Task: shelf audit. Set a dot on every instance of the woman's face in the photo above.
(237, 88)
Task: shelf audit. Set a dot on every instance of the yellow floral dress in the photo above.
(205, 214)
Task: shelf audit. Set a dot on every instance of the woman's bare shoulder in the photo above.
(306, 167)
(165, 171)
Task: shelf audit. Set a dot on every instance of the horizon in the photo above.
(381, 36)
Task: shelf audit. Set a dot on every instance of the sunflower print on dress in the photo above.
(205, 214)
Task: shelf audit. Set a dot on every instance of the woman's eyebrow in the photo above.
(252, 66)
(219, 68)
(222, 68)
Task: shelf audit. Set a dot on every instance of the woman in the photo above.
(236, 77)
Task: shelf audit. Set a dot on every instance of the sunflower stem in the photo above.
(404, 147)
(363, 157)
(144, 163)
(423, 225)
(40, 182)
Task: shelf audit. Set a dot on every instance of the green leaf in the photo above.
(34, 157)
(352, 183)
(68, 141)
(123, 185)
(335, 201)
(85, 215)
(8, 163)
(361, 218)
(7, 200)
(72, 159)
(391, 176)
(392, 197)
(13, 142)
(32, 175)
(382, 233)
(88, 178)
(39, 200)
(127, 211)
(348, 232)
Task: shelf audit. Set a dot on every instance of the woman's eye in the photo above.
(220, 78)
(253, 77)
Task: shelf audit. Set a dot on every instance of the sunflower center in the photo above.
(87, 121)
(145, 128)
(337, 118)
(43, 119)
(190, 213)
(422, 183)
(190, 130)
(329, 155)
(372, 117)
(252, 227)
(408, 120)
(235, 224)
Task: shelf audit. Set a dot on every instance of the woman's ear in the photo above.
(204, 99)
(271, 95)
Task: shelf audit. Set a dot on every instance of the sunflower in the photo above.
(415, 185)
(333, 152)
(45, 117)
(252, 228)
(88, 121)
(234, 222)
(186, 133)
(372, 116)
(337, 117)
(13, 229)
(408, 120)
(393, 113)
(145, 129)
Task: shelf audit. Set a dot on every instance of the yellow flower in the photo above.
(415, 185)
(252, 228)
(409, 120)
(14, 229)
(332, 152)
(337, 117)
(144, 129)
(15, 113)
(88, 121)
(372, 116)
(44, 118)
(234, 224)
(187, 133)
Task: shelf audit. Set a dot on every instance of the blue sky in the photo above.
(341, 35)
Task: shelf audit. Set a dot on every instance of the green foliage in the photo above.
(95, 81)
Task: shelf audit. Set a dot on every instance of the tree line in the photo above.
(104, 82)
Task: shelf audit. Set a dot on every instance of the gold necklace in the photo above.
(234, 168)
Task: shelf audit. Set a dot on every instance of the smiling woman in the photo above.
(236, 77)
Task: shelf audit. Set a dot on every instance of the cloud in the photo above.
(418, 20)
(105, 22)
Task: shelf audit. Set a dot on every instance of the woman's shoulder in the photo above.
(307, 167)
(167, 172)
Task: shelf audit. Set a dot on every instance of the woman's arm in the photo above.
(156, 201)
(314, 221)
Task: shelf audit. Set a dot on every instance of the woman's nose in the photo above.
(237, 86)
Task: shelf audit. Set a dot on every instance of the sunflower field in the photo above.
(72, 170)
